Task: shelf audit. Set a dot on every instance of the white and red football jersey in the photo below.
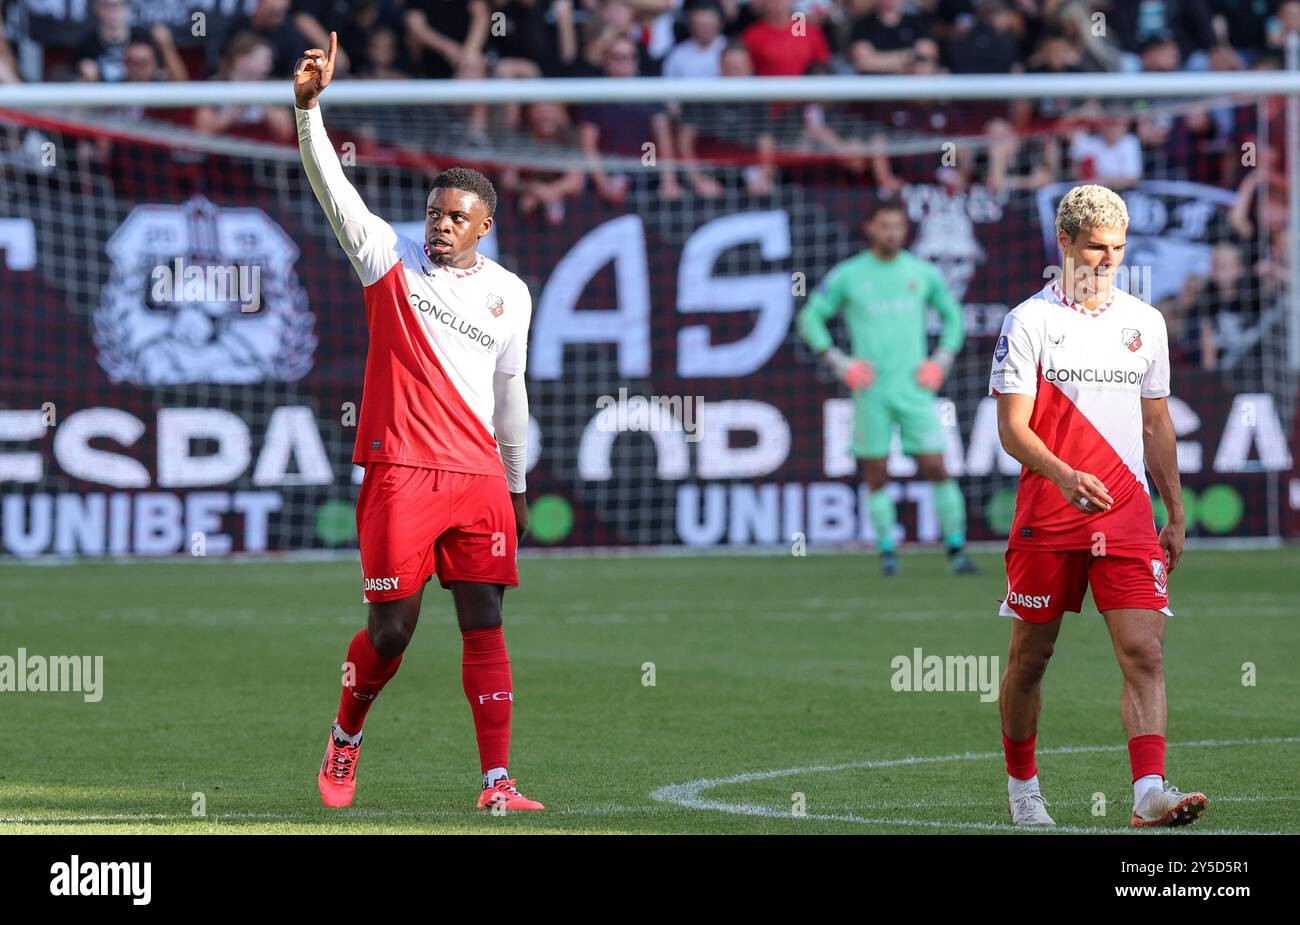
(438, 335)
(1088, 371)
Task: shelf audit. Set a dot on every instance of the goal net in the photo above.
(184, 340)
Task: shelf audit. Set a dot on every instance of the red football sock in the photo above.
(485, 673)
(1020, 757)
(1146, 755)
(371, 672)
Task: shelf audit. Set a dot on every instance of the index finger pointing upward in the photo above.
(334, 47)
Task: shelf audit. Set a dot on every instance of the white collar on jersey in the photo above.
(458, 272)
(1056, 290)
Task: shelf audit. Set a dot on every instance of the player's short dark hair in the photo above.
(888, 204)
(468, 180)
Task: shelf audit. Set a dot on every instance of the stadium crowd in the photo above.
(1004, 147)
(393, 39)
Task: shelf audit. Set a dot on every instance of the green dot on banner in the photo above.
(336, 523)
(1221, 508)
(999, 511)
(1191, 507)
(1162, 513)
(550, 518)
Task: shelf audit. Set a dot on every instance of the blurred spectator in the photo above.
(1196, 149)
(813, 125)
(887, 183)
(247, 56)
(654, 20)
(8, 63)
(1229, 307)
(989, 46)
(613, 21)
(1013, 165)
(1160, 54)
(445, 38)
(1243, 24)
(1077, 21)
(700, 55)
(483, 118)
(1224, 57)
(1108, 154)
(270, 19)
(1185, 22)
(1056, 53)
(544, 189)
(781, 47)
(101, 55)
(1284, 23)
(1261, 196)
(1182, 312)
(931, 115)
(833, 18)
(383, 56)
(623, 129)
(154, 57)
(541, 32)
(309, 18)
(355, 21)
(887, 40)
(1274, 269)
(744, 122)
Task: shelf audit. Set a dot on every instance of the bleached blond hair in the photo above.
(1090, 206)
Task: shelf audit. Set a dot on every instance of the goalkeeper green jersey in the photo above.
(884, 304)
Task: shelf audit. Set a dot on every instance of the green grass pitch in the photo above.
(771, 679)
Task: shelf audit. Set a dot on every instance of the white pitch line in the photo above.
(688, 795)
(475, 814)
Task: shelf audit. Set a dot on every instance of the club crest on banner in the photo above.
(201, 293)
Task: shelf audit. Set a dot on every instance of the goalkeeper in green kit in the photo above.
(883, 293)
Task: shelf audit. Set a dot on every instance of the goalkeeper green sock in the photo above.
(883, 519)
(951, 508)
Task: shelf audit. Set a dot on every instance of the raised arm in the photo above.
(369, 241)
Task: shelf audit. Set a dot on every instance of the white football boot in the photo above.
(1167, 805)
(1030, 809)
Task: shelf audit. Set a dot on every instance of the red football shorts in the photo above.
(414, 522)
(1042, 584)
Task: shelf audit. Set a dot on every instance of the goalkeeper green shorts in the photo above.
(914, 408)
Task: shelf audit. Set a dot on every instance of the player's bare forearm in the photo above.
(1028, 449)
(1078, 488)
(1160, 449)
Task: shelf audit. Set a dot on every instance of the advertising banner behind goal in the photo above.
(672, 400)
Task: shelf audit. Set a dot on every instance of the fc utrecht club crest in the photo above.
(1132, 338)
(1162, 578)
(495, 306)
(150, 333)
